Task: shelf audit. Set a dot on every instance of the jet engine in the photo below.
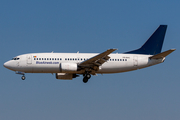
(68, 67)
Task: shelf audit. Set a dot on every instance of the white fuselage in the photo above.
(50, 62)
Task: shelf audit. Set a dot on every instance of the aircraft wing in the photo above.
(97, 60)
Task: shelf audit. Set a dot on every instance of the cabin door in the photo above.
(29, 59)
(135, 61)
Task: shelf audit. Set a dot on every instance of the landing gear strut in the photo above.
(86, 78)
(21, 73)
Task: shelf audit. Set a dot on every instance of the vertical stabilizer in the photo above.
(154, 44)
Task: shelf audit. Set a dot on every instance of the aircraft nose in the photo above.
(6, 65)
(11, 65)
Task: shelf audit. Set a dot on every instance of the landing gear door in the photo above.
(135, 61)
(29, 59)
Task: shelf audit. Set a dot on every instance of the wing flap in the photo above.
(163, 54)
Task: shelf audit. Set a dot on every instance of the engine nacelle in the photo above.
(68, 67)
(65, 76)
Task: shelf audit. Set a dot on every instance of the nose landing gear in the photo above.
(23, 77)
(21, 73)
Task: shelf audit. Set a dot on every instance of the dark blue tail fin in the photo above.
(154, 44)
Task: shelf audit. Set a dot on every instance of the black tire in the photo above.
(23, 77)
(88, 76)
(85, 79)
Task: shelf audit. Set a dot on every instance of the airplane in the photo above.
(70, 65)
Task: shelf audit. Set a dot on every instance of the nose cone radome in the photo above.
(6, 65)
(9, 65)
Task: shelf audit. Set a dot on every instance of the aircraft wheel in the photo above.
(85, 79)
(88, 76)
(23, 77)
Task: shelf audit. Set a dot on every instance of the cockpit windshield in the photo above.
(15, 58)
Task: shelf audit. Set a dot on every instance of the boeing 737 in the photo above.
(70, 65)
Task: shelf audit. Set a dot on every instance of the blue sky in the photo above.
(89, 26)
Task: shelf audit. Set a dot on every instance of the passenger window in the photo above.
(57, 58)
(47, 58)
(44, 58)
(52, 58)
(39, 58)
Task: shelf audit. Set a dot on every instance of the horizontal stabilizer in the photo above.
(162, 55)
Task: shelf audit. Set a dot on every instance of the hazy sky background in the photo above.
(89, 26)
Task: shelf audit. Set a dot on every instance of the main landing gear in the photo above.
(86, 77)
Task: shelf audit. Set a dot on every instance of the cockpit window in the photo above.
(15, 58)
